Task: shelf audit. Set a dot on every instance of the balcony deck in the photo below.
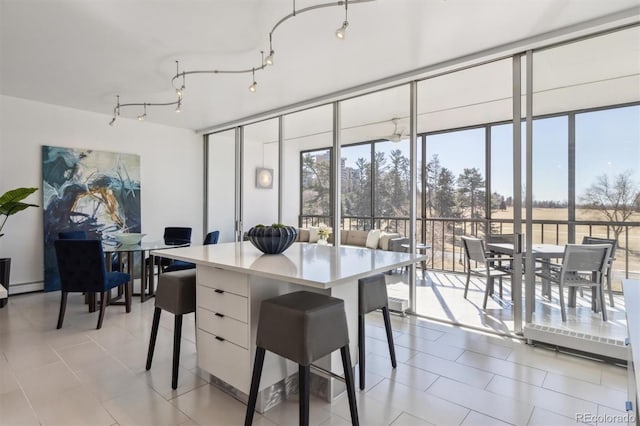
(440, 297)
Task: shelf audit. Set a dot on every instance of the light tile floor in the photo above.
(446, 375)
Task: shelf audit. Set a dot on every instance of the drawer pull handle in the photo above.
(217, 290)
(218, 314)
(220, 338)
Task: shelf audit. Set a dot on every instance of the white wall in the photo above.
(170, 161)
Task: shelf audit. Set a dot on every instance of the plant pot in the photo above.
(5, 273)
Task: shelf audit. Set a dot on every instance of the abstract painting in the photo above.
(96, 192)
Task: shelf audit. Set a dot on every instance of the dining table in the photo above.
(541, 252)
(147, 280)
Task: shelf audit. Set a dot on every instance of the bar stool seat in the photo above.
(372, 295)
(302, 327)
(176, 293)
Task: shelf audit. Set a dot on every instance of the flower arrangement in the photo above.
(323, 231)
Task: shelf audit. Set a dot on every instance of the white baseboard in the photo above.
(26, 288)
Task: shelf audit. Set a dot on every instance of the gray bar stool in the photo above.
(176, 293)
(372, 295)
(302, 327)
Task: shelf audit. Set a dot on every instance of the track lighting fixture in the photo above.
(143, 115)
(342, 31)
(269, 59)
(253, 87)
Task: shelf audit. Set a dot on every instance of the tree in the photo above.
(397, 180)
(315, 184)
(362, 196)
(444, 199)
(471, 191)
(433, 170)
(615, 198)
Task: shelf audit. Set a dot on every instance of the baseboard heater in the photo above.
(398, 305)
(606, 347)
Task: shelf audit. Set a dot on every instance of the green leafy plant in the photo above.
(11, 203)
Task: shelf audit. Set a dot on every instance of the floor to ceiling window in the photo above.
(585, 144)
(307, 157)
(221, 185)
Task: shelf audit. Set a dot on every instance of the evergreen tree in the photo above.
(444, 204)
(471, 192)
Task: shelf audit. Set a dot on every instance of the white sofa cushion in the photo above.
(372, 239)
(313, 234)
(356, 238)
(385, 237)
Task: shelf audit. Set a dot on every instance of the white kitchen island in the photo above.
(233, 278)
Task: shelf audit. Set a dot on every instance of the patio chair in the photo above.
(474, 252)
(612, 257)
(583, 265)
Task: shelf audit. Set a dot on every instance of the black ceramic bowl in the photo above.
(272, 240)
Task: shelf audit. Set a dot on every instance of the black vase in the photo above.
(272, 240)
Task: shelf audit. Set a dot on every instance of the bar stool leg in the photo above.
(348, 378)
(255, 384)
(361, 350)
(387, 327)
(154, 335)
(177, 335)
(303, 385)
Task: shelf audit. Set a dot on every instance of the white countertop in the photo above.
(302, 263)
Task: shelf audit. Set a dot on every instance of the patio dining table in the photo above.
(544, 252)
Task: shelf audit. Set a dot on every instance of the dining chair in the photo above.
(72, 235)
(612, 257)
(81, 266)
(583, 265)
(173, 235)
(475, 252)
(181, 265)
(502, 239)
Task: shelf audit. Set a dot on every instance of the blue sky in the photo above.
(607, 142)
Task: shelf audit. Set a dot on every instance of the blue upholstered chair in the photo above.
(212, 238)
(180, 265)
(72, 235)
(173, 235)
(82, 269)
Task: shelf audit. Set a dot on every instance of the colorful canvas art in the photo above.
(96, 192)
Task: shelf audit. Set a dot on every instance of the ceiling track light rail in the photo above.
(269, 60)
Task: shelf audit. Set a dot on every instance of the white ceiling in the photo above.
(81, 53)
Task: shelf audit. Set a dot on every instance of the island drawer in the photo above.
(232, 282)
(223, 302)
(224, 326)
(225, 360)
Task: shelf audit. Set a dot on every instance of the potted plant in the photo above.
(10, 204)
